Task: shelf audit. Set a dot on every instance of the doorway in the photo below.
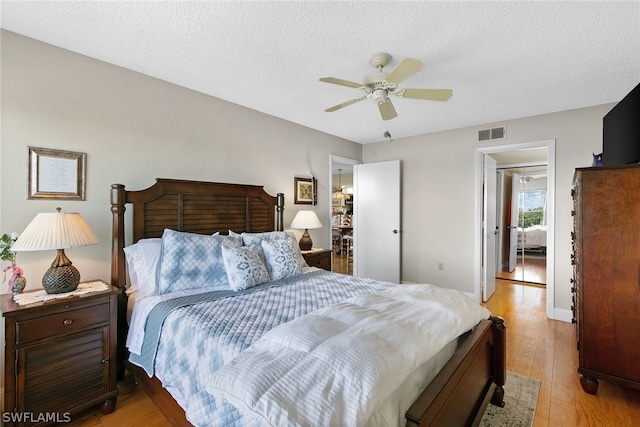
(519, 155)
(342, 196)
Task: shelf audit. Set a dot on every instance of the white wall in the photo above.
(438, 179)
(135, 128)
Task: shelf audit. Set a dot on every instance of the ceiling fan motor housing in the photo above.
(379, 95)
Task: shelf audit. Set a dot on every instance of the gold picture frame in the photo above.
(56, 174)
(305, 191)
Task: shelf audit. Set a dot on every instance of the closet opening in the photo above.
(522, 224)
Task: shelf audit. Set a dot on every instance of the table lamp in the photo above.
(59, 231)
(306, 219)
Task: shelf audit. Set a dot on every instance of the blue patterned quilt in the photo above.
(198, 338)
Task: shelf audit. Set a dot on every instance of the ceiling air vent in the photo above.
(489, 134)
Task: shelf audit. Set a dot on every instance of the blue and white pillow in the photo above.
(191, 261)
(255, 239)
(281, 258)
(245, 268)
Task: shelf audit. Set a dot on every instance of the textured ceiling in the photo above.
(503, 60)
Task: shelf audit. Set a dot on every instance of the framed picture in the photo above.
(305, 191)
(56, 174)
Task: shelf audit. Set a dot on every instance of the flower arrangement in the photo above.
(7, 255)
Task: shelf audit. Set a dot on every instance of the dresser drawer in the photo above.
(61, 323)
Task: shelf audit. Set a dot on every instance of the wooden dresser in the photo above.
(60, 357)
(606, 274)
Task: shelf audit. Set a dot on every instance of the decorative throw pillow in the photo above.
(245, 268)
(255, 239)
(191, 261)
(281, 258)
(143, 260)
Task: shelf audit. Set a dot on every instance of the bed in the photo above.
(469, 375)
(533, 238)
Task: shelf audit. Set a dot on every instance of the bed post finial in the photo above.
(279, 212)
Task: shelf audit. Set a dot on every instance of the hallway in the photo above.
(534, 271)
(341, 264)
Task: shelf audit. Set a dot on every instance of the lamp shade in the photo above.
(55, 230)
(305, 219)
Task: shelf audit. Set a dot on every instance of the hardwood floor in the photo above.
(340, 263)
(534, 270)
(546, 350)
(536, 347)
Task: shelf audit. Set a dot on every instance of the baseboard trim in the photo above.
(562, 314)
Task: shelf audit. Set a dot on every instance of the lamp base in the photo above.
(305, 241)
(61, 277)
(58, 280)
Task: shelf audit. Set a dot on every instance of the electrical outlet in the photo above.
(441, 266)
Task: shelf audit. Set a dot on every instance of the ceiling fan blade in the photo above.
(405, 69)
(344, 104)
(429, 94)
(341, 82)
(387, 111)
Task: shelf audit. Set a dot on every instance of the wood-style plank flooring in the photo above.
(536, 347)
(532, 270)
(341, 263)
(546, 350)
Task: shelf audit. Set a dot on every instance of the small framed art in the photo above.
(305, 191)
(56, 174)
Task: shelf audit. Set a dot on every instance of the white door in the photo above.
(513, 227)
(490, 232)
(376, 227)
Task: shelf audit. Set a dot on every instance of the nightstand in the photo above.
(320, 258)
(60, 357)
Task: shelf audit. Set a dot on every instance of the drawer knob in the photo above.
(68, 322)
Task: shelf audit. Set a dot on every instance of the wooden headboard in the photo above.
(190, 206)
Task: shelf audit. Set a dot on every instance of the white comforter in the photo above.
(335, 365)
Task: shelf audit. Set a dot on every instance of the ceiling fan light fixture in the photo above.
(379, 95)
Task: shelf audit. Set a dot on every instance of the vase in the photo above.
(18, 285)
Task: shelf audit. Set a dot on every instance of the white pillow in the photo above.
(281, 258)
(255, 239)
(245, 268)
(143, 260)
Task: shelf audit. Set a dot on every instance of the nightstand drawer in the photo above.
(60, 323)
(323, 262)
(320, 258)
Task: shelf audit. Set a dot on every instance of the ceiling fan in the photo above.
(379, 84)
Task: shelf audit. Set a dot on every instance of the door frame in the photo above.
(550, 145)
(343, 160)
(489, 235)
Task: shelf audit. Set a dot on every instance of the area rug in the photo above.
(520, 399)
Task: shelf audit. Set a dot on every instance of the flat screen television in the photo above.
(621, 131)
